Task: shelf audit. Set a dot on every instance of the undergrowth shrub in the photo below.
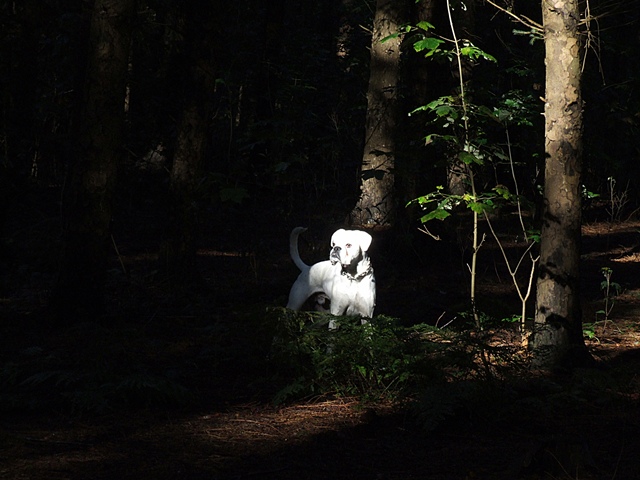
(375, 360)
(438, 373)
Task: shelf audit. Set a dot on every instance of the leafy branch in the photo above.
(461, 129)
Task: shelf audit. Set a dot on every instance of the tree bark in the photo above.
(557, 339)
(79, 292)
(177, 255)
(377, 204)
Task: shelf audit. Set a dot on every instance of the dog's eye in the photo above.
(348, 245)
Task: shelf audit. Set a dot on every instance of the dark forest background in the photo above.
(238, 121)
(286, 97)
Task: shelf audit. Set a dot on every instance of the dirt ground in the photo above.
(585, 425)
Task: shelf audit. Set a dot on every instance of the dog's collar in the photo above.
(358, 277)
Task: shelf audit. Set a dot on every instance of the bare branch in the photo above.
(427, 232)
(533, 25)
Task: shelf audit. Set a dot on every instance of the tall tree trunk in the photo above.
(79, 292)
(177, 256)
(377, 204)
(557, 340)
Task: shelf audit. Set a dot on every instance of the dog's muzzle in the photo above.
(334, 256)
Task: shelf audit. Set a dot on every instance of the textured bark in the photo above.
(87, 205)
(377, 203)
(557, 340)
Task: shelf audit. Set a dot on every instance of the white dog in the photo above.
(346, 279)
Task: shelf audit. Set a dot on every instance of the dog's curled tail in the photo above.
(293, 248)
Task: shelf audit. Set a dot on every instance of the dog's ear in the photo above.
(335, 238)
(364, 239)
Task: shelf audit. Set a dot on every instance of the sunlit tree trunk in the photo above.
(377, 203)
(557, 339)
(79, 292)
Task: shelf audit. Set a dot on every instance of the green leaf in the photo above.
(427, 43)
(500, 156)
(438, 214)
(480, 207)
(534, 235)
(433, 105)
(425, 199)
(424, 25)
(474, 53)
(446, 111)
(502, 191)
(446, 203)
(469, 158)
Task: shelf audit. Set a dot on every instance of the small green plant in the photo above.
(611, 291)
(513, 319)
(617, 200)
(589, 331)
(588, 194)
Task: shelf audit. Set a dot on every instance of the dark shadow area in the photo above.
(174, 383)
(536, 434)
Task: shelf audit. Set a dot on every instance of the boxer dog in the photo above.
(346, 279)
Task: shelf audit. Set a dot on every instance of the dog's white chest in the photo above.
(354, 296)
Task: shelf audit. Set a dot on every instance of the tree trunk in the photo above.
(177, 255)
(178, 250)
(377, 204)
(79, 292)
(557, 339)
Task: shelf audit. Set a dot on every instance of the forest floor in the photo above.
(584, 425)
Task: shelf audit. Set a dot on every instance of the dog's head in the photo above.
(348, 247)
